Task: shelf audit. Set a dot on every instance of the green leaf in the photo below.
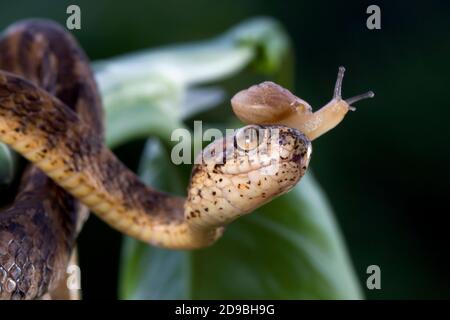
(268, 40)
(288, 249)
(260, 41)
(7, 164)
(145, 116)
(140, 118)
(138, 85)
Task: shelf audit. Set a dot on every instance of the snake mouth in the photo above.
(294, 159)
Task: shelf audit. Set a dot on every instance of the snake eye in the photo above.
(247, 138)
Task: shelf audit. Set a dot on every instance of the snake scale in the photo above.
(51, 113)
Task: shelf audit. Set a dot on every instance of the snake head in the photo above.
(241, 172)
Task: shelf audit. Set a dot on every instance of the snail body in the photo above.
(269, 103)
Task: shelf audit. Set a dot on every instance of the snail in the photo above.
(269, 103)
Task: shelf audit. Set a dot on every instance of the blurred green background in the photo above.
(385, 169)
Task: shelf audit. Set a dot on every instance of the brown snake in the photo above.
(38, 231)
(51, 113)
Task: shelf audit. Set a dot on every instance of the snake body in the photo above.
(50, 112)
(38, 231)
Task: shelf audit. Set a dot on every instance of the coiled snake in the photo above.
(51, 113)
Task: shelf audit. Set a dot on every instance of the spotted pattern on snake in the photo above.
(50, 113)
(38, 230)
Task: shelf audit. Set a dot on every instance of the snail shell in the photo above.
(267, 103)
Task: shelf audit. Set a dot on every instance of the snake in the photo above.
(51, 114)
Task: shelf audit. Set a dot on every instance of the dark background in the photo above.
(386, 169)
